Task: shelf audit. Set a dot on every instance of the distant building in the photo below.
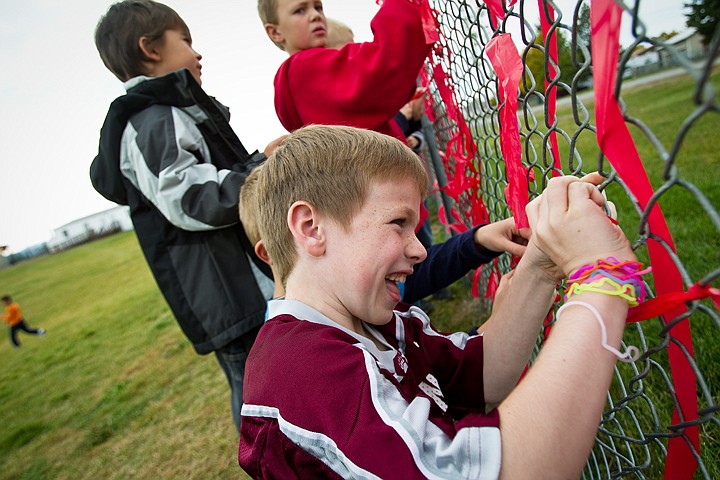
(88, 228)
(687, 44)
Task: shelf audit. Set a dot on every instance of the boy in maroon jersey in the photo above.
(340, 383)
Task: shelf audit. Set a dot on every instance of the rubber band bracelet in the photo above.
(611, 277)
(624, 290)
(632, 353)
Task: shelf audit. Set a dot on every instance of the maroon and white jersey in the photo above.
(321, 401)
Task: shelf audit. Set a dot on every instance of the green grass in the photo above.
(114, 390)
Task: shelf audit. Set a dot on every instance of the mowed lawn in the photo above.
(114, 390)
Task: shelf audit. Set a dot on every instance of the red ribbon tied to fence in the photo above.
(667, 301)
(551, 52)
(618, 146)
(508, 67)
(429, 20)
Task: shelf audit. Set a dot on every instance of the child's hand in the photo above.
(415, 108)
(503, 236)
(413, 142)
(570, 227)
(273, 145)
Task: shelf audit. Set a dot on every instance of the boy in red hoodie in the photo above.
(361, 84)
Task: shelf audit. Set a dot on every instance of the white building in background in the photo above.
(84, 229)
(686, 44)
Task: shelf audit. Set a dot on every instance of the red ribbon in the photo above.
(616, 143)
(429, 22)
(459, 226)
(551, 52)
(509, 67)
(461, 148)
(497, 10)
(662, 303)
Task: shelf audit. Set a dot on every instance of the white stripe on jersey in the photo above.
(474, 453)
(459, 339)
(316, 444)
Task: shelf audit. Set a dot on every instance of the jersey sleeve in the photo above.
(165, 156)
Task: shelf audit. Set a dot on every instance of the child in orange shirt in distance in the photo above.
(15, 320)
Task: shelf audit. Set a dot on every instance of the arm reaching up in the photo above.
(550, 419)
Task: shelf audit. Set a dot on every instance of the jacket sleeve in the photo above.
(165, 156)
(362, 84)
(446, 263)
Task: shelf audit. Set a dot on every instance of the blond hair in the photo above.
(247, 206)
(331, 168)
(338, 34)
(268, 12)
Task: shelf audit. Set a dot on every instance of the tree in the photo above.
(535, 62)
(582, 30)
(703, 16)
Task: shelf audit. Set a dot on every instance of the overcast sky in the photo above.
(55, 91)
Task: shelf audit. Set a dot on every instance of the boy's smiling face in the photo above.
(366, 261)
(301, 25)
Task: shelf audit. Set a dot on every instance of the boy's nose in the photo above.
(315, 13)
(415, 250)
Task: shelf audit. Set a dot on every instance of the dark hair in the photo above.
(6, 298)
(118, 32)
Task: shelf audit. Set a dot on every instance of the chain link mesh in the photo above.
(672, 116)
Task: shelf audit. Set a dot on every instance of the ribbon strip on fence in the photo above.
(551, 53)
(671, 300)
(509, 67)
(617, 145)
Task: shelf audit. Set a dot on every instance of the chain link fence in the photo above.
(662, 411)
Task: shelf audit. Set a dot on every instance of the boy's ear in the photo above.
(262, 252)
(148, 49)
(306, 228)
(274, 34)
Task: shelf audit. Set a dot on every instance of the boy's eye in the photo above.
(399, 221)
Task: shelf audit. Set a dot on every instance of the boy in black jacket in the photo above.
(168, 151)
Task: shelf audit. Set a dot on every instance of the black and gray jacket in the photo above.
(168, 151)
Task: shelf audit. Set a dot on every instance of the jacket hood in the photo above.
(177, 88)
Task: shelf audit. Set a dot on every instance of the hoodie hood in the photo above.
(179, 89)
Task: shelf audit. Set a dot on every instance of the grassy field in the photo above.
(114, 390)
